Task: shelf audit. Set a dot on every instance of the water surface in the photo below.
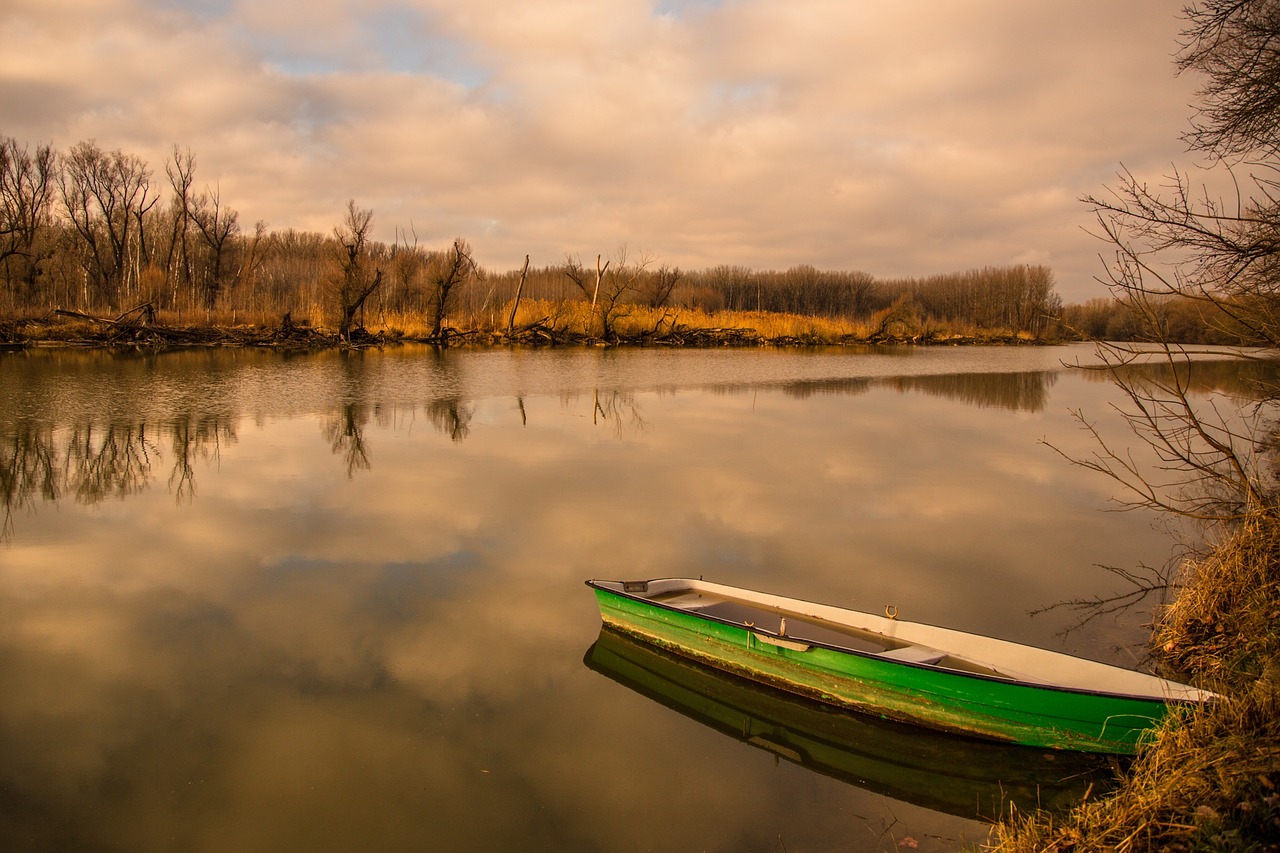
(329, 602)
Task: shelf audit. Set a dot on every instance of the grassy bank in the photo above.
(537, 323)
(1210, 779)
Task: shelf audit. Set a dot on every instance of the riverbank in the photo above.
(1210, 779)
(538, 324)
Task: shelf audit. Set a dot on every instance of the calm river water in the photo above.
(260, 602)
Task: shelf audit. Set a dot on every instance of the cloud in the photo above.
(905, 138)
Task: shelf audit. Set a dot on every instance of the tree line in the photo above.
(101, 231)
(1168, 318)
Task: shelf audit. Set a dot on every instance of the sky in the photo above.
(899, 138)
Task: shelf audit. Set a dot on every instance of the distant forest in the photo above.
(100, 232)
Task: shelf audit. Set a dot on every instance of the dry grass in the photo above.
(1211, 778)
(1222, 628)
(1211, 781)
(633, 322)
(567, 321)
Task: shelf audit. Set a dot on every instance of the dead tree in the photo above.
(356, 281)
(610, 294)
(26, 194)
(451, 270)
(515, 303)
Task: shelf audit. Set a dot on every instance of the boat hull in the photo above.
(992, 708)
(966, 777)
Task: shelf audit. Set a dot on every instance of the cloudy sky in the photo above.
(898, 137)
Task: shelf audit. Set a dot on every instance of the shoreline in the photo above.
(96, 333)
(1208, 778)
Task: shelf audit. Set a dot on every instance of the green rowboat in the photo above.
(937, 677)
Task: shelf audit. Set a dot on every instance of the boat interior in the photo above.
(802, 628)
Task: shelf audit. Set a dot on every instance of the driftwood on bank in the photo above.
(543, 333)
(136, 329)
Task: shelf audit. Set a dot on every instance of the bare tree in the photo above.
(573, 270)
(1181, 240)
(356, 281)
(253, 259)
(734, 286)
(181, 175)
(1233, 43)
(656, 289)
(1017, 298)
(450, 271)
(610, 293)
(1204, 466)
(219, 226)
(27, 182)
(105, 195)
(1177, 240)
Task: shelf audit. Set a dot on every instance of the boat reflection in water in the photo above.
(958, 775)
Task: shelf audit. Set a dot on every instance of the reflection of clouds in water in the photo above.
(303, 715)
(394, 659)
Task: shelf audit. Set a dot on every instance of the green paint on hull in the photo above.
(963, 776)
(1010, 711)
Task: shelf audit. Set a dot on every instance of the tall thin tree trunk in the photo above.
(511, 321)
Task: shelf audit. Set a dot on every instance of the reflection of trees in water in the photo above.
(452, 417)
(90, 462)
(108, 461)
(29, 467)
(345, 432)
(620, 410)
(1027, 391)
(196, 438)
(821, 387)
(1018, 392)
(1236, 377)
(1022, 392)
